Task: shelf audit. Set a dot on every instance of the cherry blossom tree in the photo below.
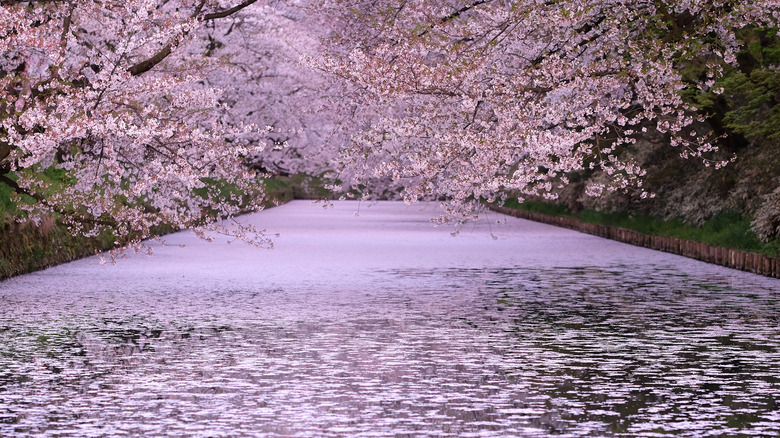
(122, 115)
(105, 121)
(263, 82)
(472, 99)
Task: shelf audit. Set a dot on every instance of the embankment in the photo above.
(731, 258)
(25, 247)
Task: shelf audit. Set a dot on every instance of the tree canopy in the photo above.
(471, 100)
(123, 115)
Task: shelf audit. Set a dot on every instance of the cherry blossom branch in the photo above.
(149, 63)
(227, 12)
(18, 189)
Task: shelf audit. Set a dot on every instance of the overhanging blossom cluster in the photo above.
(123, 115)
(105, 121)
(472, 99)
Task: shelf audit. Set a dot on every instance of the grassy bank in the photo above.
(726, 229)
(26, 247)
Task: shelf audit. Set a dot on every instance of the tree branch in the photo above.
(455, 15)
(148, 64)
(226, 12)
(18, 189)
(71, 215)
(5, 150)
(66, 26)
(145, 66)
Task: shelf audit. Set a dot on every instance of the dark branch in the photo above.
(5, 150)
(226, 12)
(69, 215)
(148, 64)
(145, 66)
(66, 26)
(18, 189)
(455, 15)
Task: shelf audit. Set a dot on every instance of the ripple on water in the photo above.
(575, 351)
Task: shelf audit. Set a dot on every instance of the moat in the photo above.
(384, 325)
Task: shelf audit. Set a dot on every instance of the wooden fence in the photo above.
(732, 258)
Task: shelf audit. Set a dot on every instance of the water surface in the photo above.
(382, 325)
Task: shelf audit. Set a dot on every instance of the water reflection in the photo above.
(575, 351)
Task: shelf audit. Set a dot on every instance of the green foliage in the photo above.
(309, 186)
(538, 207)
(745, 99)
(727, 229)
(8, 209)
(754, 98)
(6, 205)
(227, 193)
(277, 190)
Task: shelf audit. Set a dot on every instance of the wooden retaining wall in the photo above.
(731, 258)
